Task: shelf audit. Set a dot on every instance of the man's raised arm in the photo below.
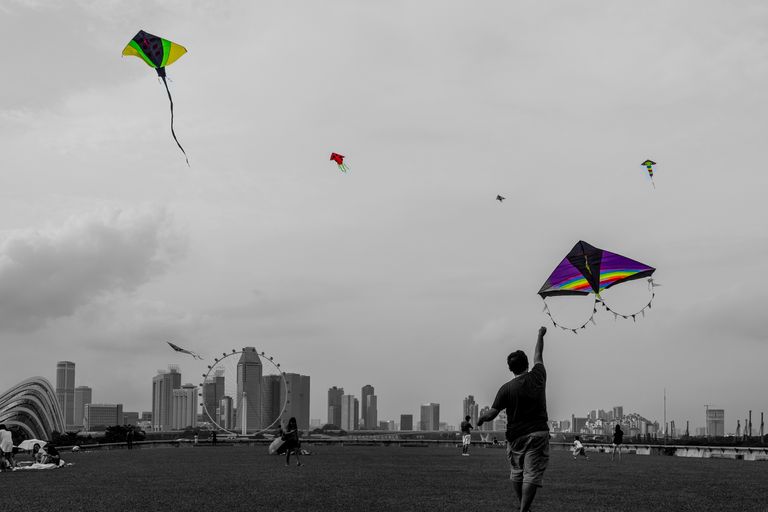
(488, 416)
(538, 355)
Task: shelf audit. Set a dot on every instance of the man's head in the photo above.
(578, 438)
(517, 362)
(467, 418)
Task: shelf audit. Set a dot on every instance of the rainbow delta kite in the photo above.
(587, 269)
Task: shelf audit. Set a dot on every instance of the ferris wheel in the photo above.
(244, 392)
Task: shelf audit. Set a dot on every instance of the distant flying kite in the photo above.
(500, 198)
(649, 165)
(183, 350)
(587, 269)
(339, 159)
(157, 53)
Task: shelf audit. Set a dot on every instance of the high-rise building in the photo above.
(248, 399)
(100, 416)
(298, 406)
(618, 413)
(163, 385)
(371, 413)
(273, 397)
(146, 416)
(213, 391)
(226, 417)
(83, 395)
(715, 422)
(470, 408)
(65, 391)
(406, 422)
(350, 413)
(184, 407)
(334, 405)
(364, 394)
(430, 417)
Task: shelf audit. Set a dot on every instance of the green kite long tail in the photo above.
(173, 132)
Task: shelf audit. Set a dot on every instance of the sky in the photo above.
(403, 273)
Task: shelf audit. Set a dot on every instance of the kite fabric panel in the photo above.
(587, 269)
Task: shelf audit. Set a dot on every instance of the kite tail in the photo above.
(173, 132)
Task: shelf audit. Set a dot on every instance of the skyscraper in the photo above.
(65, 391)
(470, 408)
(213, 391)
(350, 413)
(334, 405)
(248, 399)
(273, 397)
(226, 417)
(83, 395)
(406, 422)
(163, 385)
(371, 412)
(364, 394)
(298, 406)
(430, 417)
(184, 407)
(618, 413)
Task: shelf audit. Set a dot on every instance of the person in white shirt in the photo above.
(578, 449)
(6, 446)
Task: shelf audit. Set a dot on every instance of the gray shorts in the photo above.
(528, 458)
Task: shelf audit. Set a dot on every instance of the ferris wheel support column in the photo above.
(244, 416)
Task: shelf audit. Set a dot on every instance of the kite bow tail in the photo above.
(170, 99)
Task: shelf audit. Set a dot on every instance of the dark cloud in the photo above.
(48, 274)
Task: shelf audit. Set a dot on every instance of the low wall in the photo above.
(704, 452)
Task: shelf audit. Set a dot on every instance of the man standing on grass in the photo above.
(466, 435)
(525, 401)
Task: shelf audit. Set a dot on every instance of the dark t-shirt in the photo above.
(618, 437)
(525, 401)
(466, 427)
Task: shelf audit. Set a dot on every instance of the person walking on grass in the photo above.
(618, 439)
(6, 448)
(524, 398)
(466, 436)
(292, 442)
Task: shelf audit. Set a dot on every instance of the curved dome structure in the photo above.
(32, 406)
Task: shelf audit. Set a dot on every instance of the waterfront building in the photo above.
(248, 399)
(100, 416)
(33, 407)
(406, 422)
(350, 413)
(470, 408)
(163, 385)
(364, 394)
(184, 407)
(83, 395)
(334, 405)
(65, 391)
(430, 417)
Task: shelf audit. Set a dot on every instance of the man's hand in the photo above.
(542, 331)
(538, 355)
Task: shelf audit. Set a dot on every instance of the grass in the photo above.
(377, 478)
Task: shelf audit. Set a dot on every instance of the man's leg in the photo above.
(527, 494)
(518, 487)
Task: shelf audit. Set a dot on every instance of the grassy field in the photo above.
(228, 478)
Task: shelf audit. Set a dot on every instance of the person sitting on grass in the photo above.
(292, 442)
(578, 449)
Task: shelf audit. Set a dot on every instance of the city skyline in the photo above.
(406, 265)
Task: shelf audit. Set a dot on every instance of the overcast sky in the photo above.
(405, 273)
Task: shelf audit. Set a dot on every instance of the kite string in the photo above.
(172, 131)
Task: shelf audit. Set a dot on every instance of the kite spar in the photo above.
(587, 269)
(157, 53)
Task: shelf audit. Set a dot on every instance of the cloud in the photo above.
(51, 273)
